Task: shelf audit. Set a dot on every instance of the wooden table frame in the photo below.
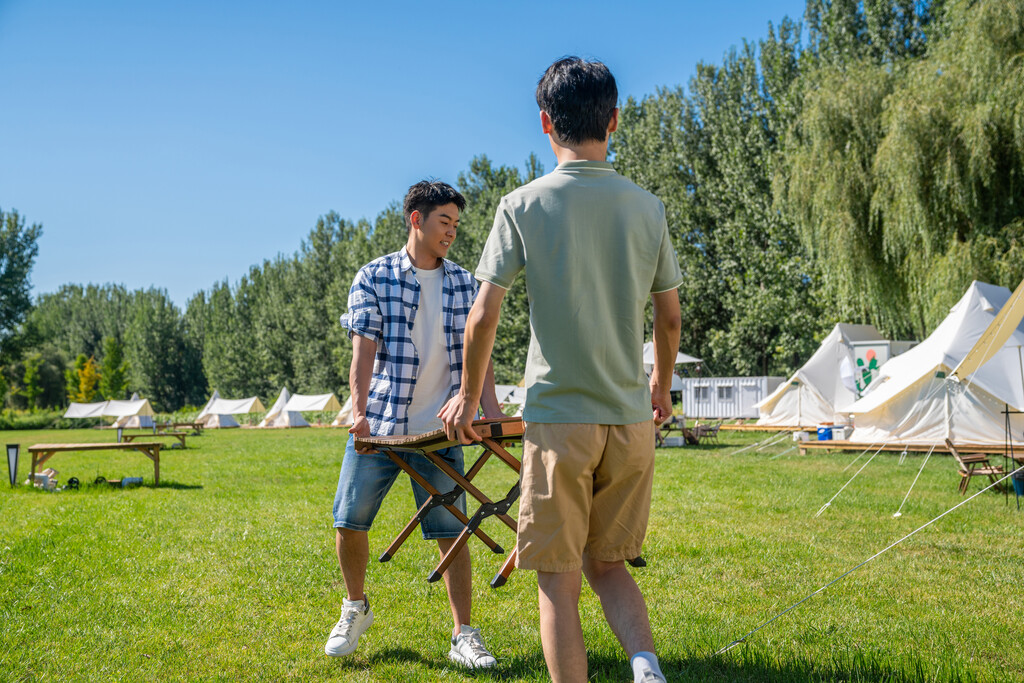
(495, 436)
(41, 452)
(180, 436)
(196, 427)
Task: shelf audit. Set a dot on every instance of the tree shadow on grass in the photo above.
(175, 485)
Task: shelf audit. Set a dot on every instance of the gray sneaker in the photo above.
(356, 617)
(469, 650)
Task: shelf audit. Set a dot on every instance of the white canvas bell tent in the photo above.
(135, 421)
(117, 409)
(915, 399)
(815, 391)
(344, 417)
(300, 403)
(277, 416)
(218, 412)
(205, 412)
(84, 410)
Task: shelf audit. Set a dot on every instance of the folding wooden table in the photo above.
(496, 435)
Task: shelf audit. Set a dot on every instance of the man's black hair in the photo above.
(427, 195)
(580, 97)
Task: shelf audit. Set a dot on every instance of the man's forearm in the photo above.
(481, 329)
(477, 355)
(361, 372)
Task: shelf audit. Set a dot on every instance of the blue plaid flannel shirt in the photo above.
(382, 306)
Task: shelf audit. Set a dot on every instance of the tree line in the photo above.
(863, 166)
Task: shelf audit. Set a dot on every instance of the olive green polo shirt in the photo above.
(594, 247)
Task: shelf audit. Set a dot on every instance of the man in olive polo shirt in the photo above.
(595, 247)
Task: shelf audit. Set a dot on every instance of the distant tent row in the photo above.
(286, 411)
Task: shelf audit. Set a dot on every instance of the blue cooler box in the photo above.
(825, 433)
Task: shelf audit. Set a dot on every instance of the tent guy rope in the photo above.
(878, 554)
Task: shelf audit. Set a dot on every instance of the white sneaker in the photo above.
(356, 617)
(469, 650)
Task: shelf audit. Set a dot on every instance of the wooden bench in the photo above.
(180, 436)
(41, 452)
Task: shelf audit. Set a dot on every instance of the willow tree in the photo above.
(904, 173)
(950, 170)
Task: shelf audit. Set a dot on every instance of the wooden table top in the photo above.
(44, 447)
(497, 428)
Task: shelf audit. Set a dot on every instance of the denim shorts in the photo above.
(366, 478)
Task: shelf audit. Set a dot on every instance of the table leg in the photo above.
(484, 511)
(501, 577)
(432, 502)
(434, 492)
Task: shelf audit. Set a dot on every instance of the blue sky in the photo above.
(176, 144)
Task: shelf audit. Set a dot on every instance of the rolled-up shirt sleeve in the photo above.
(363, 316)
(667, 274)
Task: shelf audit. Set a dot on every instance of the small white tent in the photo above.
(299, 403)
(817, 389)
(205, 412)
(118, 409)
(218, 411)
(83, 410)
(277, 416)
(312, 402)
(914, 400)
(344, 418)
(681, 358)
(136, 420)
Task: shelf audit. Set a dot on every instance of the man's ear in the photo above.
(416, 220)
(546, 125)
(613, 124)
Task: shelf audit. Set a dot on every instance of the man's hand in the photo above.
(361, 428)
(457, 416)
(661, 402)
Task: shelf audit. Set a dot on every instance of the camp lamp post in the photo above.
(12, 461)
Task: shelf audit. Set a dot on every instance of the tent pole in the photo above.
(949, 417)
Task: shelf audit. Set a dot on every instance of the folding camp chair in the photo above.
(496, 435)
(973, 465)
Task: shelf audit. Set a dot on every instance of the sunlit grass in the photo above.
(227, 571)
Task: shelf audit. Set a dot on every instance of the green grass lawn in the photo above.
(227, 571)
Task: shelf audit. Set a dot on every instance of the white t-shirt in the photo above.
(433, 379)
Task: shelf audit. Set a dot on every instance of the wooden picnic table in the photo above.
(180, 436)
(41, 452)
(196, 427)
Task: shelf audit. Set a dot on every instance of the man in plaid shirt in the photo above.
(406, 318)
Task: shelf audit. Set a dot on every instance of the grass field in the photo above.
(227, 571)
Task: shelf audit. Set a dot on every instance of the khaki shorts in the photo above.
(586, 488)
